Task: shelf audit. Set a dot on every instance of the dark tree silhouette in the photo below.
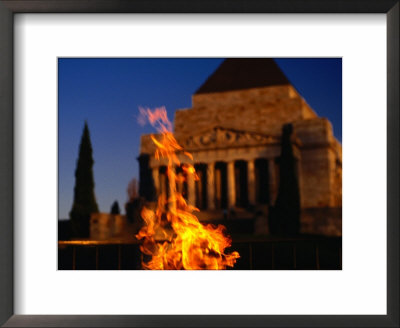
(285, 215)
(115, 208)
(134, 206)
(84, 197)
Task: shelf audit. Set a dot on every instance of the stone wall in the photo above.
(262, 110)
(105, 226)
(315, 178)
(313, 132)
(322, 221)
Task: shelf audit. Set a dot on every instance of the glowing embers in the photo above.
(172, 237)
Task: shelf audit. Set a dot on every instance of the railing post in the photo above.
(73, 258)
(294, 256)
(251, 256)
(97, 257)
(119, 257)
(272, 256)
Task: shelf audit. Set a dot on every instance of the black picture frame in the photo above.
(10, 7)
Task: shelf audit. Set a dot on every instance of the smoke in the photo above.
(157, 117)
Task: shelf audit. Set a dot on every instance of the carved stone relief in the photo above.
(220, 138)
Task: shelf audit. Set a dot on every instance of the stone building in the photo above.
(234, 130)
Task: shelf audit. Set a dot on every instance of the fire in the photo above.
(172, 235)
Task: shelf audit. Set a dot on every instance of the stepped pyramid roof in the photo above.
(244, 73)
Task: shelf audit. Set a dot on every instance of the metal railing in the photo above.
(311, 253)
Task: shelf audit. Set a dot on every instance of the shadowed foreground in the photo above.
(264, 253)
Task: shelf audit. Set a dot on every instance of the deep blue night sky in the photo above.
(107, 93)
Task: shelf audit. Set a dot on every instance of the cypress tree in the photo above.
(115, 208)
(84, 198)
(285, 215)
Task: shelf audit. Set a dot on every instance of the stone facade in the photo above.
(235, 139)
(105, 226)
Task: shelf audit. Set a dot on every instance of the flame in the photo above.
(172, 235)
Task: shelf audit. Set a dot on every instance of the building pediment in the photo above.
(219, 137)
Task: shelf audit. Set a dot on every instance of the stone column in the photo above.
(156, 179)
(179, 184)
(210, 187)
(273, 183)
(251, 182)
(217, 182)
(191, 189)
(231, 184)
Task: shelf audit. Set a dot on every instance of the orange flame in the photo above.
(172, 235)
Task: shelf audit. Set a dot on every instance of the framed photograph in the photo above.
(248, 148)
(193, 138)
